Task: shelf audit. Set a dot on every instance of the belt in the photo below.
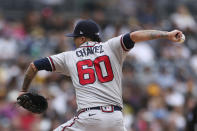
(108, 109)
(115, 108)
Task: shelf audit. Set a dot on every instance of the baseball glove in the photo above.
(33, 102)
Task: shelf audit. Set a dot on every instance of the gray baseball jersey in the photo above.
(96, 71)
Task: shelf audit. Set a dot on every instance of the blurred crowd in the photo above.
(159, 77)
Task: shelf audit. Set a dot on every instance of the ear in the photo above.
(83, 39)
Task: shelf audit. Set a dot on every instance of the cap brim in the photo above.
(71, 35)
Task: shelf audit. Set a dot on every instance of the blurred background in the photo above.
(159, 77)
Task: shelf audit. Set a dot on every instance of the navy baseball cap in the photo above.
(87, 28)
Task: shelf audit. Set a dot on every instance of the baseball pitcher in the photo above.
(95, 68)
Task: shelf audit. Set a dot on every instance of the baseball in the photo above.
(182, 39)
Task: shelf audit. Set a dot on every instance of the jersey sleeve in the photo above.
(43, 64)
(59, 62)
(121, 45)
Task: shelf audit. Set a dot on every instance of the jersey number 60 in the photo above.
(90, 72)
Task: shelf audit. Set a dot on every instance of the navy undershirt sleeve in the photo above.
(43, 64)
(128, 43)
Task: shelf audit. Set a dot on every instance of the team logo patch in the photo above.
(97, 33)
(81, 32)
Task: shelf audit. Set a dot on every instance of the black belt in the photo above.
(115, 108)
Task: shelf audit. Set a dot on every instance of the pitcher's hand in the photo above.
(175, 35)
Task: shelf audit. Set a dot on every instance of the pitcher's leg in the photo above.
(103, 121)
(95, 120)
(71, 125)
